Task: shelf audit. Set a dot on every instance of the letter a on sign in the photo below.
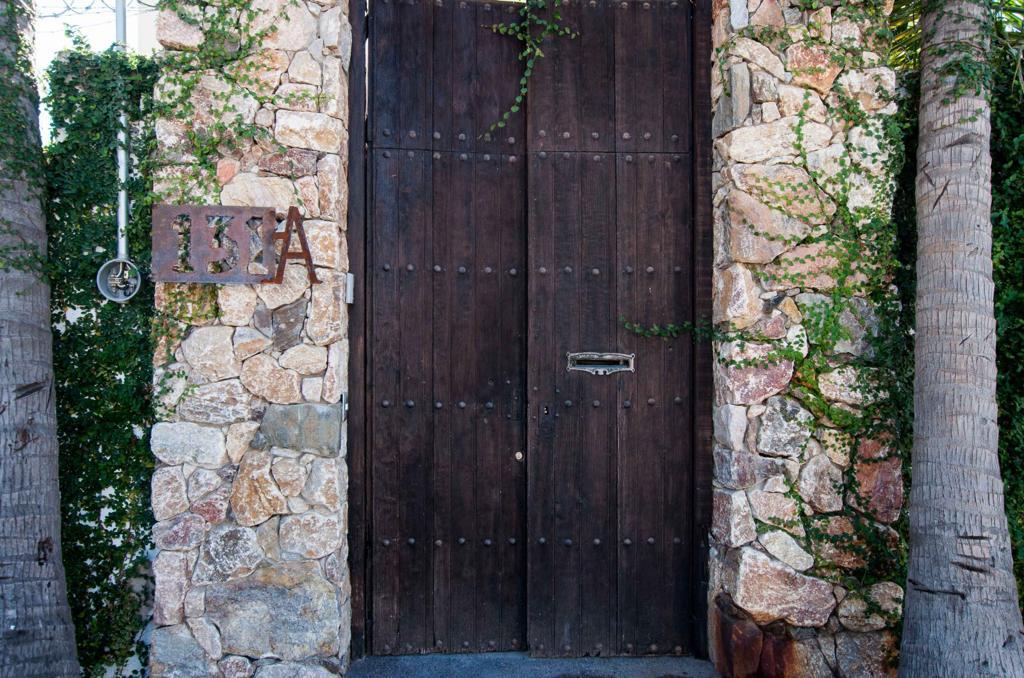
(294, 221)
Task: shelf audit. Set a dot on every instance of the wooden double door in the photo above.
(532, 479)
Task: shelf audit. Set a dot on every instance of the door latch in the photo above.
(600, 364)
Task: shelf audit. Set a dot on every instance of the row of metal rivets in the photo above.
(597, 158)
(597, 135)
(462, 136)
(462, 541)
(437, 268)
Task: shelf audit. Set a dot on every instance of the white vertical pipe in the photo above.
(122, 146)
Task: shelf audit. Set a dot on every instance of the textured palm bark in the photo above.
(37, 636)
(961, 614)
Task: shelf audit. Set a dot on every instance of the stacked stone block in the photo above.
(780, 75)
(249, 490)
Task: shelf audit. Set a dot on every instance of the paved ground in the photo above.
(519, 665)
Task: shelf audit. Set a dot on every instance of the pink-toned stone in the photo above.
(731, 521)
(289, 475)
(769, 590)
(312, 389)
(209, 353)
(262, 376)
(223, 402)
(250, 190)
(265, 67)
(329, 178)
(227, 168)
(874, 88)
(768, 14)
(879, 489)
(181, 533)
(170, 569)
(168, 493)
(873, 609)
(309, 197)
(786, 188)
(758, 233)
(214, 506)
(296, 97)
(255, 496)
(230, 551)
(334, 90)
(839, 544)
(807, 266)
(173, 32)
(821, 484)
(311, 534)
(758, 54)
(745, 384)
(235, 667)
(776, 509)
(786, 549)
(734, 469)
(736, 298)
(295, 162)
(812, 66)
(235, 304)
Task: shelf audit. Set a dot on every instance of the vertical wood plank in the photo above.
(595, 22)
(385, 393)
(442, 134)
(464, 75)
(415, 75)
(676, 67)
(386, 61)
(627, 76)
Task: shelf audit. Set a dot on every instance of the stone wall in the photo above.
(249, 490)
(799, 97)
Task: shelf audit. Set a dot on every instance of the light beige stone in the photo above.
(325, 243)
(235, 304)
(328, 314)
(773, 140)
(188, 443)
(322, 484)
(209, 353)
(238, 438)
(262, 375)
(290, 476)
(793, 100)
(214, 100)
(770, 112)
(207, 635)
(730, 426)
(776, 509)
(293, 285)
(311, 534)
(336, 376)
(316, 131)
(255, 496)
(173, 32)
(248, 342)
(312, 389)
(266, 67)
(768, 14)
(304, 68)
(304, 359)
(296, 97)
(872, 87)
(737, 297)
(293, 26)
(758, 54)
(837, 445)
(785, 548)
(250, 190)
(821, 484)
(872, 610)
(335, 97)
(846, 385)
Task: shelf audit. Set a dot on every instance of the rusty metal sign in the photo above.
(218, 244)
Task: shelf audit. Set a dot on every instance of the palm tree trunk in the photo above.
(36, 633)
(961, 614)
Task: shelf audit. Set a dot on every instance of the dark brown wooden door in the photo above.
(513, 503)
